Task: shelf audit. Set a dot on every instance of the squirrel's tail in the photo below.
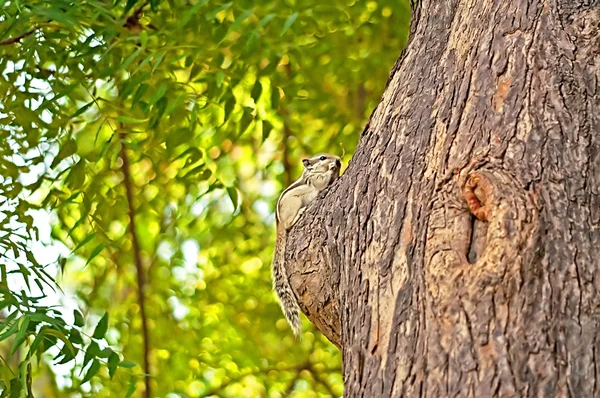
(281, 284)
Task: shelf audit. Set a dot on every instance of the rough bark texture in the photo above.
(458, 255)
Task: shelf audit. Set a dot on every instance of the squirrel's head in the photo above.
(322, 163)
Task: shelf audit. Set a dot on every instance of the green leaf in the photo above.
(101, 327)
(229, 105)
(159, 110)
(212, 14)
(66, 354)
(177, 138)
(129, 120)
(70, 199)
(83, 109)
(106, 352)
(66, 150)
(265, 21)
(131, 388)
(175, 104)
(146, 61)
(252, 41)
(127, 364)
(192, 11)
(205, 175)
(245, 121)
(83, 242)
(219, 78)
(93, 369)
(56, 14)
(129, 5)
(130, 58)
(139, 93)
(256, 91)
(37, 343)
(91, 352)
(158, 61)
(288, 23)
(158, 94)
(78, 318)
(233, 195)
(75, 337)
(275, 96)
(195, 170)
(23, 323)
(238, 21)
(112, 363)
(95, 252)
(61, 336)
(76, 176)
(266, 129)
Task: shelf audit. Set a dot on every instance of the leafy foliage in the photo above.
(187, 118)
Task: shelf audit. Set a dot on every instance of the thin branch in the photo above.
(138, 265)
(16, 39)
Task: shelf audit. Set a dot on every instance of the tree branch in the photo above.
(16, 39)
(138, 265)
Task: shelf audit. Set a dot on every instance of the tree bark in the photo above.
(458, 255)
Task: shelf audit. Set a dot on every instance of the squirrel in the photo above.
(320, 171)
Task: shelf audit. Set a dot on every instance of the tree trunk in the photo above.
(458, 255)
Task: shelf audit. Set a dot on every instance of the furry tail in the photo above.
(281, 284)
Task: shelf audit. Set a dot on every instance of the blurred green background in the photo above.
(200, 111)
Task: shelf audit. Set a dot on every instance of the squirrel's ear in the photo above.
(306, 162)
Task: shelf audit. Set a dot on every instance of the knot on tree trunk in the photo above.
(483, 228)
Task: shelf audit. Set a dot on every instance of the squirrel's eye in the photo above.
(322, 158)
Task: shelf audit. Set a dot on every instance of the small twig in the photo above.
(16, 39)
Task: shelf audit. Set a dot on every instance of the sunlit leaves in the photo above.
(209, 101)
(38, 331)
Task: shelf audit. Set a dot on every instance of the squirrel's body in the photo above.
(319, 172)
